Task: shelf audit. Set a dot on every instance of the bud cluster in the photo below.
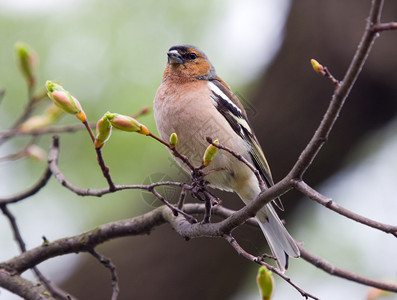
(121, 122)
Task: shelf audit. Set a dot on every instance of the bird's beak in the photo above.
(174, 57)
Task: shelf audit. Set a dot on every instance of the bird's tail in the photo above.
(280, 242)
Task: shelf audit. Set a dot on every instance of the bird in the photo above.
(195, 103)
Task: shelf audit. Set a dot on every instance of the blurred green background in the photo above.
(111, 55)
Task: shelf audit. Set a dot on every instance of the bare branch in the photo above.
(232, 241)
(30, 192)
(242, 159)
(53, 166)
(327, 202)
(175, 152)
(323, 70)
(105, 170)
(144, 111)
(101, 162)
(385, 26)
(182, 197)
(22, 287)
(143, 225)
(175, 210)
(255, 205)
(47, 130)
(335, 271)
(86, 241)
(33, 100)
(112, 268)
(311, 258)
(14, 227)
(6, 134)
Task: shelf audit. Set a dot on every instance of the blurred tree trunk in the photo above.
(289, 101)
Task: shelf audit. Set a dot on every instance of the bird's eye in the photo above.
(192, 56)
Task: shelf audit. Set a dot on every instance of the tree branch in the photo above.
(327, 202)
(86, 241)
(53, 156)
(143, 225)
(259, 261)
(335, 271)
(22, 287)
(112, 268)
(30, 192)
(385, 26)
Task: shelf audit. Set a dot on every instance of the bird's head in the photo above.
(186, 61)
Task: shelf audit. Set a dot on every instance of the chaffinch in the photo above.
(195, 103)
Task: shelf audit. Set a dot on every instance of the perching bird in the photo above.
(195, 103)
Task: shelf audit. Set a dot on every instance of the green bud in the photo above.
(173, 140)
(103, 131)
(210, 154)
(317, 67)
(265, 283)
(65, 100)
(27, 61)
(126, 123)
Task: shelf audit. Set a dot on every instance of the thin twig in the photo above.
(144, 111)
(105, 170)
(101, 162)
(26, 113)
(311, 258)
(57, 129)
(46, 130)
(175, 210)
(242, 159)
(335, 271)
(327, 202)
(112, 268)
(385, 26)
(53, 166)
(31, 191)
(19, 154)
(262, 186)
(15, 229)
(232, 241)
(33, 100)
(327, 74)
(251, 209)
(175, 152)
(88, 127)
(182, 197)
